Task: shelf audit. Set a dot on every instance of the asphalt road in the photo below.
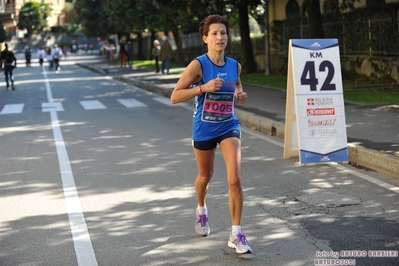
(97, 172)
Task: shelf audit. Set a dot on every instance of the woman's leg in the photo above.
(205, 164)
(231, 151)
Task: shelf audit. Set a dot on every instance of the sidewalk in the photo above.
(372, 130)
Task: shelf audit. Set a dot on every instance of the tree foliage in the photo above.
(122, 17)
(33, 17)
(94, 17)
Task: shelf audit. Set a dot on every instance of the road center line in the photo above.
(80, 234)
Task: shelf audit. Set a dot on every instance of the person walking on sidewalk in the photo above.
(165, 54)
(155, 54)
(8, 63)
(213, 80)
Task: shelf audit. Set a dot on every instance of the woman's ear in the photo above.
(204, 39)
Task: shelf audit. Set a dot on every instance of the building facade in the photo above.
(283, 9)
(11, 8)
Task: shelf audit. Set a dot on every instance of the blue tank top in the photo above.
(214, 113)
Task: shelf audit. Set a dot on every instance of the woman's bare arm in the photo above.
(182, 91)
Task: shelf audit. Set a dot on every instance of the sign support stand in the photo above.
(290, 139)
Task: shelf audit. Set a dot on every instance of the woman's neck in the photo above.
(216, 58)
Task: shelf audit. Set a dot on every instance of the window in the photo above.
(292, 9)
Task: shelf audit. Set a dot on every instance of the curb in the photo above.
(358, 156)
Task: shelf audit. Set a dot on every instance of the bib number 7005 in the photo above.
(309, 76)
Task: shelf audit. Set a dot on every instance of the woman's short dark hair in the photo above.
(206, 23)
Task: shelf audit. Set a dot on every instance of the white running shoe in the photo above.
(240, 243)
(201, 224)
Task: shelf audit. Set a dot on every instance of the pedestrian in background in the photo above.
(56, 54)
(65, 51)
(49, 58)
(129, 53)
(155, 54)
(8, 63)
(28, 56)
(165, 54)
(41, 54)
(122, 53)
(213, 80)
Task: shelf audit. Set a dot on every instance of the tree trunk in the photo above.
(248, 62)
(180, 54)
(153, 37)
(140, 55)
(314, 19)
(267, 38)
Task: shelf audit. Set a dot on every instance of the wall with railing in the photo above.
(363, 33)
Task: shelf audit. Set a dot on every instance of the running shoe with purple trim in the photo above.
(201, 224)
(240, 243)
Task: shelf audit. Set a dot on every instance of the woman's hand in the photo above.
(213, 85)
(242, 97)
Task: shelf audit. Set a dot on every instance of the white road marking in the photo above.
(164, 100)
(12, 109)
(92, 105)
(129, 103)
(80, 234)
(53, 106)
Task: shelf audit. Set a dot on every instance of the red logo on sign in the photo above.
(311, 101)
(320, 111)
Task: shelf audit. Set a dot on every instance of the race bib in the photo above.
(218, 106)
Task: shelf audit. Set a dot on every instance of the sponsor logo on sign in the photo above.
(327, 132)
(321, 123)
(320, 111)
(320, 101)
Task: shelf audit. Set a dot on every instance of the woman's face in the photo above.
(217, 38)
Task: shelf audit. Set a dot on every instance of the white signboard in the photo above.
(315, 83)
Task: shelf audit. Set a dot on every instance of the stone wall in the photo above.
(372, 66)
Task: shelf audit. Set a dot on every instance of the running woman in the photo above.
(213, 80)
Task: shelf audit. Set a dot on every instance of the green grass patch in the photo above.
(151, 64)
(145, 63)
(275, 81)
(373, 96)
